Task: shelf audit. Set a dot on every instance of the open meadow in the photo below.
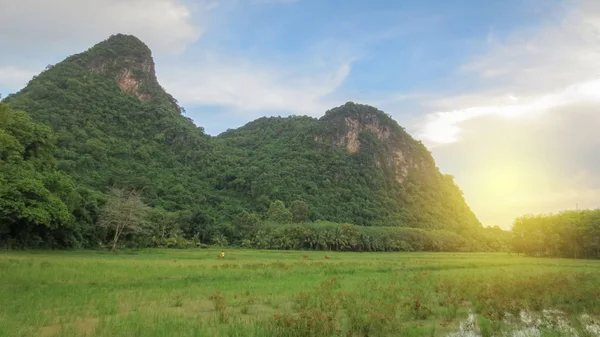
(295, 293)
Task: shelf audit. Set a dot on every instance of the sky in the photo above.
(505, 93)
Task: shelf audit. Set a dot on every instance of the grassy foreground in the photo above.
(290, 293)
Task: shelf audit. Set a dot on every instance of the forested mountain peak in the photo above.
(356, 125)
(128, 60)
(355, 164)
(115, 125)
(361, 112)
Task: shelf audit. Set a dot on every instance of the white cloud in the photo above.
(445, 127)
(555, 65)
(75, 24)
(254, 88)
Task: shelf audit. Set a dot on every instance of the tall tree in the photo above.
(278, 213)
(33, 194)
(247, 224)
(124, 212)
(300, 211)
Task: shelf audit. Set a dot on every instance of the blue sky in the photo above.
(393, 47)
(505, 93)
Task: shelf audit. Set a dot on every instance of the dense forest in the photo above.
(94, 153)
(38, 203)
(574, 234)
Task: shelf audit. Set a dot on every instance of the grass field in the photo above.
(282, 293)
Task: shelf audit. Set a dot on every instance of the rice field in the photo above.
(295, 293)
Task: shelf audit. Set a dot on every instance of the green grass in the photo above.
(280, 293)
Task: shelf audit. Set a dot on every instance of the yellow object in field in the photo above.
(222, 254)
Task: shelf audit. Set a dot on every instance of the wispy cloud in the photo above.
(254, 88)
(527, 73)
(445, 127)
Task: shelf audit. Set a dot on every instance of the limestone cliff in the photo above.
(398, 152)
(128, 61)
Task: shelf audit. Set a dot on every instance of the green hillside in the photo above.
(115, 127)
(353, 165)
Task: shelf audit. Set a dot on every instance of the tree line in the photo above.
(572, 234)
(128, 222)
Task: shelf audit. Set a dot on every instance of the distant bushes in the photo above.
(346, 237)
(574, 234)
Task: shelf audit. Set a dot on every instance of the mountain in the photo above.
(115, 126)
(355, 165)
